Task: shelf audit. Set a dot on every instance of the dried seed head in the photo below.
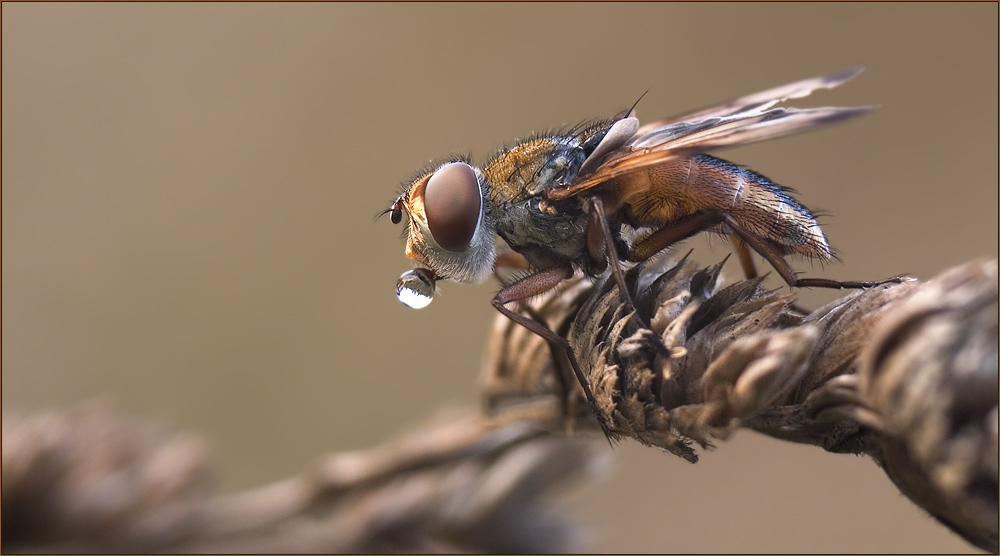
(905, 373)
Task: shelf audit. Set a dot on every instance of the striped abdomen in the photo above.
(659, 194)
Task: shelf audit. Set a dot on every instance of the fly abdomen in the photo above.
(701, 183)
(768, 211)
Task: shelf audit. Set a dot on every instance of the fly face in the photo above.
(456, 210)
(449, 230)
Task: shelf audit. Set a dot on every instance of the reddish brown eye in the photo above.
(452, 202)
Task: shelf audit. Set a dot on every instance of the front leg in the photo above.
(530, 286)
(510, 259)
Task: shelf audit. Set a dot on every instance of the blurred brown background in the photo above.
(188, 193)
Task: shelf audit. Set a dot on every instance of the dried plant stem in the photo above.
(90, 482)
(904, 373)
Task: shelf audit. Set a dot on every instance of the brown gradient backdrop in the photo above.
(188, 194)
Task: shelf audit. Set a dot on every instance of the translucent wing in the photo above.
(763, 99)
(744, 120)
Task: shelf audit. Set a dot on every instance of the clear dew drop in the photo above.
(413, 299)
(416, 288)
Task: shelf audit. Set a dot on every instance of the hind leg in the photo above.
(785, 271)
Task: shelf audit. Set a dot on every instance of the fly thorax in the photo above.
(524, 223)
(560, 165)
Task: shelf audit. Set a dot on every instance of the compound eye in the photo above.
(452, 202)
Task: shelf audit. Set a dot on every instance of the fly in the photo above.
(609, 192)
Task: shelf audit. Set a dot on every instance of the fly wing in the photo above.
(740, 129)
(762, 100)
(745, 120)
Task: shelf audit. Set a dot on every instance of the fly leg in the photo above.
(743, 253)
(675, 231)
(789, 275)
(750, 269)
(511, 259)
(530, 286)
(598, 233)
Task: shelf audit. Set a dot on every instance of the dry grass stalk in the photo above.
(904, 373)
(87, 481)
